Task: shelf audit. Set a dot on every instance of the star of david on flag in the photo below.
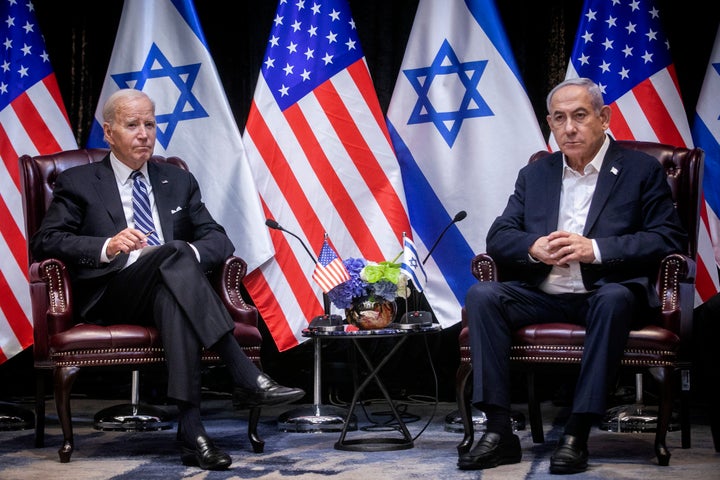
(168, 58)
(434, 105)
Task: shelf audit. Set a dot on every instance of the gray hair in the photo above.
(108, 111)
(596, 98)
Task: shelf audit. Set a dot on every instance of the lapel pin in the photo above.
(614, 171)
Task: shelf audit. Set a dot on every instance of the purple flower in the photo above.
(346, 294)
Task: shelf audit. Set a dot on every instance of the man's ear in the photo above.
(605, 113)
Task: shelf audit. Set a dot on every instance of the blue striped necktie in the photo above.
(142, 214)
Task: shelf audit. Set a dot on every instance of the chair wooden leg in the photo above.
(462, 395)
(536, 426)
(64, 377)
(258, 444)
(685, 440)
(664, 377)
(39, 410)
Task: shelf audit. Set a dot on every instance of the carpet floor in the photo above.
(154, 454)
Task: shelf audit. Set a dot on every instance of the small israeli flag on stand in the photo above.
(411, 265)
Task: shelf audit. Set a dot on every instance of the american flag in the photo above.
(33, 121)
(322, 160)
(329, 270)
(620, 44)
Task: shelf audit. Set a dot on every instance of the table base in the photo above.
(375, 444)
(316, 418)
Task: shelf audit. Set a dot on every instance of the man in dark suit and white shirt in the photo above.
(92, 226)
(578, 242)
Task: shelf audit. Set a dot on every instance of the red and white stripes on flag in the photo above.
(329, 270)
(622, 47)
(32, 121)
(322, 161)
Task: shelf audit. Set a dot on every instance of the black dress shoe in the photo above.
(570, 456)
(266, 392)
(205, 454)
(491, 450)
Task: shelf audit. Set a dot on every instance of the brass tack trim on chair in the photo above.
(102, 351)
(113, 361)
(55, 289)
(670, 282)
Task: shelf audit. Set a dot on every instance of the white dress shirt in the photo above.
(576, 195)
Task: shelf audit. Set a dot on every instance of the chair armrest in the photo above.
(51, 299)
(676, 288)
(483, 268)
(227, 281)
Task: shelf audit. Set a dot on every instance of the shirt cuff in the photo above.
(103, 253)
(596, 251)
(197, 254)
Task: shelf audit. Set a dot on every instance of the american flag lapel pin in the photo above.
(614, 171)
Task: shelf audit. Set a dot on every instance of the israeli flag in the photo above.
(160, 49)
(411, 265)
(706, 135)
(462, 126)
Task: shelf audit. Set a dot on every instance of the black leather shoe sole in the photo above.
(259, 399)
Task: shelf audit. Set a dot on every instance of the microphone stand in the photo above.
(316, 417)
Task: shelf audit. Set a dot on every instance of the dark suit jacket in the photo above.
(86, 210)
(631, 217)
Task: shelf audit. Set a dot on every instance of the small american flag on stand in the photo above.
(329, 270)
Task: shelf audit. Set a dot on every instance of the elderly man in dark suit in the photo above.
(579, 240)
(103, 218)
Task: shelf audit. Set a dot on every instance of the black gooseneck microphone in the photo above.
(326, 320)
(276, 226)
(458, 217)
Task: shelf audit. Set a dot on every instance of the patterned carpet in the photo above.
(149, 455)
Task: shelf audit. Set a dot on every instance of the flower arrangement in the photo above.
(369, 281)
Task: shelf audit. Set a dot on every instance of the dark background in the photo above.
(541, 34)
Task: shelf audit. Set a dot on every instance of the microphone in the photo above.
(276, 226)
(321, 321)
(458, 217)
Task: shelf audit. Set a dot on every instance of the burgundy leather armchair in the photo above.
(660, 346)
(63, 346)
